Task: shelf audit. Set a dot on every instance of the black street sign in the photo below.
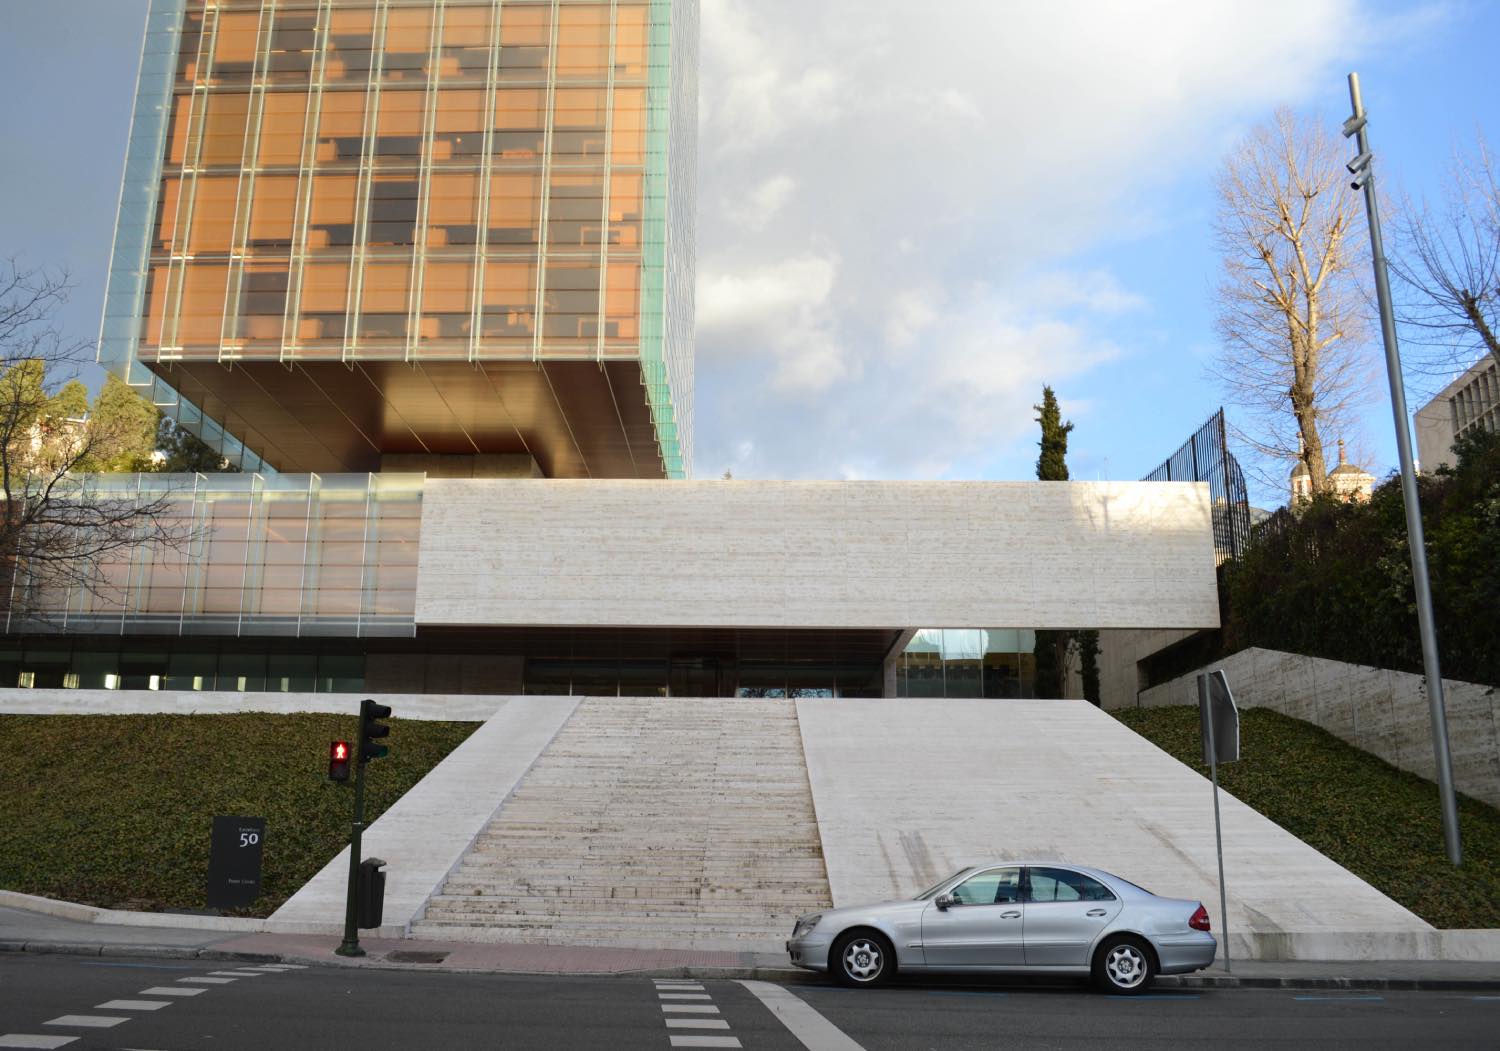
(234, 861)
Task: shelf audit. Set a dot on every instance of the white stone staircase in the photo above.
(653, 822)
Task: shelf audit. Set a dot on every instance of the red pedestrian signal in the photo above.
(338, 761)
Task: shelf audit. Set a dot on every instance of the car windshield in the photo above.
(930, 891)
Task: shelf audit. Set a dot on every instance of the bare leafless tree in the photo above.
(1447, 268)
(1293, 353)
(59, 526)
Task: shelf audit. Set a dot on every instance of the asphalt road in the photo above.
(341, 1008)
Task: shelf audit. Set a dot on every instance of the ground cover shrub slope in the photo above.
(1381, 823)
(116, 810)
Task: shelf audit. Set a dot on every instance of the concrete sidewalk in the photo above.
(26, 931)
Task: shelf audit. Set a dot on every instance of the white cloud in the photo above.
(763, 202)
(894, 206)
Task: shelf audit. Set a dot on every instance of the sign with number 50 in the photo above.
(234, 861)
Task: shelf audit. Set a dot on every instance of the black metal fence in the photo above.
(1205, 457)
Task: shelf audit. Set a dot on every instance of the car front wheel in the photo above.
(864, 959)
(1124, 965)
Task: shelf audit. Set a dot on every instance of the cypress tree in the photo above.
(1052, 464)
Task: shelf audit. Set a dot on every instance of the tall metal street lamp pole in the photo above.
(1363, 169)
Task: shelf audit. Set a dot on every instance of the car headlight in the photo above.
(805, 924)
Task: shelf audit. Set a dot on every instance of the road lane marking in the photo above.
(88, 1021)
(706, 1041)
(133, 1005)
(702, 1009)
(167, 990)
(697, 1023)
(683, 996)
(815, 1032)
(34, 1040)
(209, 981)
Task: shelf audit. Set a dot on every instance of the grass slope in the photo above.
(1380, 823)
(116, 810)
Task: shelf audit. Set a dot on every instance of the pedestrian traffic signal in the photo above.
(370, 729)
(338, 761)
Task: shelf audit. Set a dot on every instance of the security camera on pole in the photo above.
(1362, 167)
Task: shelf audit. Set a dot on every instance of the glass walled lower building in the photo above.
(968, 662)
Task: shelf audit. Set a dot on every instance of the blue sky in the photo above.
(905, 229)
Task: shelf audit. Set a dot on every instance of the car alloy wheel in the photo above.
(1126, 966)
(863, 959)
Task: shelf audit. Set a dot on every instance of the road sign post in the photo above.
(1219, 723)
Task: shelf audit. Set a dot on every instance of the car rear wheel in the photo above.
(1124, 965)
(862, 958)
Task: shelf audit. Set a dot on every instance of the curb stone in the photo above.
(783, 975)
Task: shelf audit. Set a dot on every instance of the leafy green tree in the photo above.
(128, 423)
(58, 524)
(1335, 580)
(183, 451)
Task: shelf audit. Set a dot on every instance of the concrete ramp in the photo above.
(907, 791)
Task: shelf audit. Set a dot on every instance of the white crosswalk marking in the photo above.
(88, 1021)
(706, 1041)
(686, 989)
(209, 981)
(815, 1032)
(237, 974)
(697, 1023)
(35, 1040)
(706, 1009)
(683, 996)
(168, 990)
(133, 1005)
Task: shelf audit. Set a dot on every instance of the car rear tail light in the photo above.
(1199, 921)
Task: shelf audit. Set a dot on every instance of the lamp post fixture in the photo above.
(1362, 167)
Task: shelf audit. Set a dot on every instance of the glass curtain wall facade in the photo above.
(288, 555)
(968, 662)
(412, 181)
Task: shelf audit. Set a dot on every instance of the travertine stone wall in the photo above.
(816, 554)
(1381, 711)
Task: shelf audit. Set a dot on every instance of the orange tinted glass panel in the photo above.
(325, 288)
(630, 42)
(203, 290)
(224, 129)
(235, 41)
(582, 41)
(272, 209)
(281, 127)
(213, 213)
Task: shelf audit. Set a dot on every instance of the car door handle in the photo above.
(1010, 915)
(1097, 912)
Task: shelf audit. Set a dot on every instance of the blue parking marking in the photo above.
(1354, 998)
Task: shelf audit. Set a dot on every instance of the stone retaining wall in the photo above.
(1384, 712)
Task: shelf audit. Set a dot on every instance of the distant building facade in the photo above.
(1346, 481)
(1469, 403)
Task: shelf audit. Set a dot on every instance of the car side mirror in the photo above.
(944, 902)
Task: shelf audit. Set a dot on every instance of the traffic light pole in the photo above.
(350, 945)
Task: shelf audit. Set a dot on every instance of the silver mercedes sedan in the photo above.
(1013, 917)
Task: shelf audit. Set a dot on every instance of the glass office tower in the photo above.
(351, 229)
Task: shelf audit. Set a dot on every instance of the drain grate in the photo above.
(408, 956)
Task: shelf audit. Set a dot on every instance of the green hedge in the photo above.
(1335, 579)
(1380, 823)
(116, 810)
